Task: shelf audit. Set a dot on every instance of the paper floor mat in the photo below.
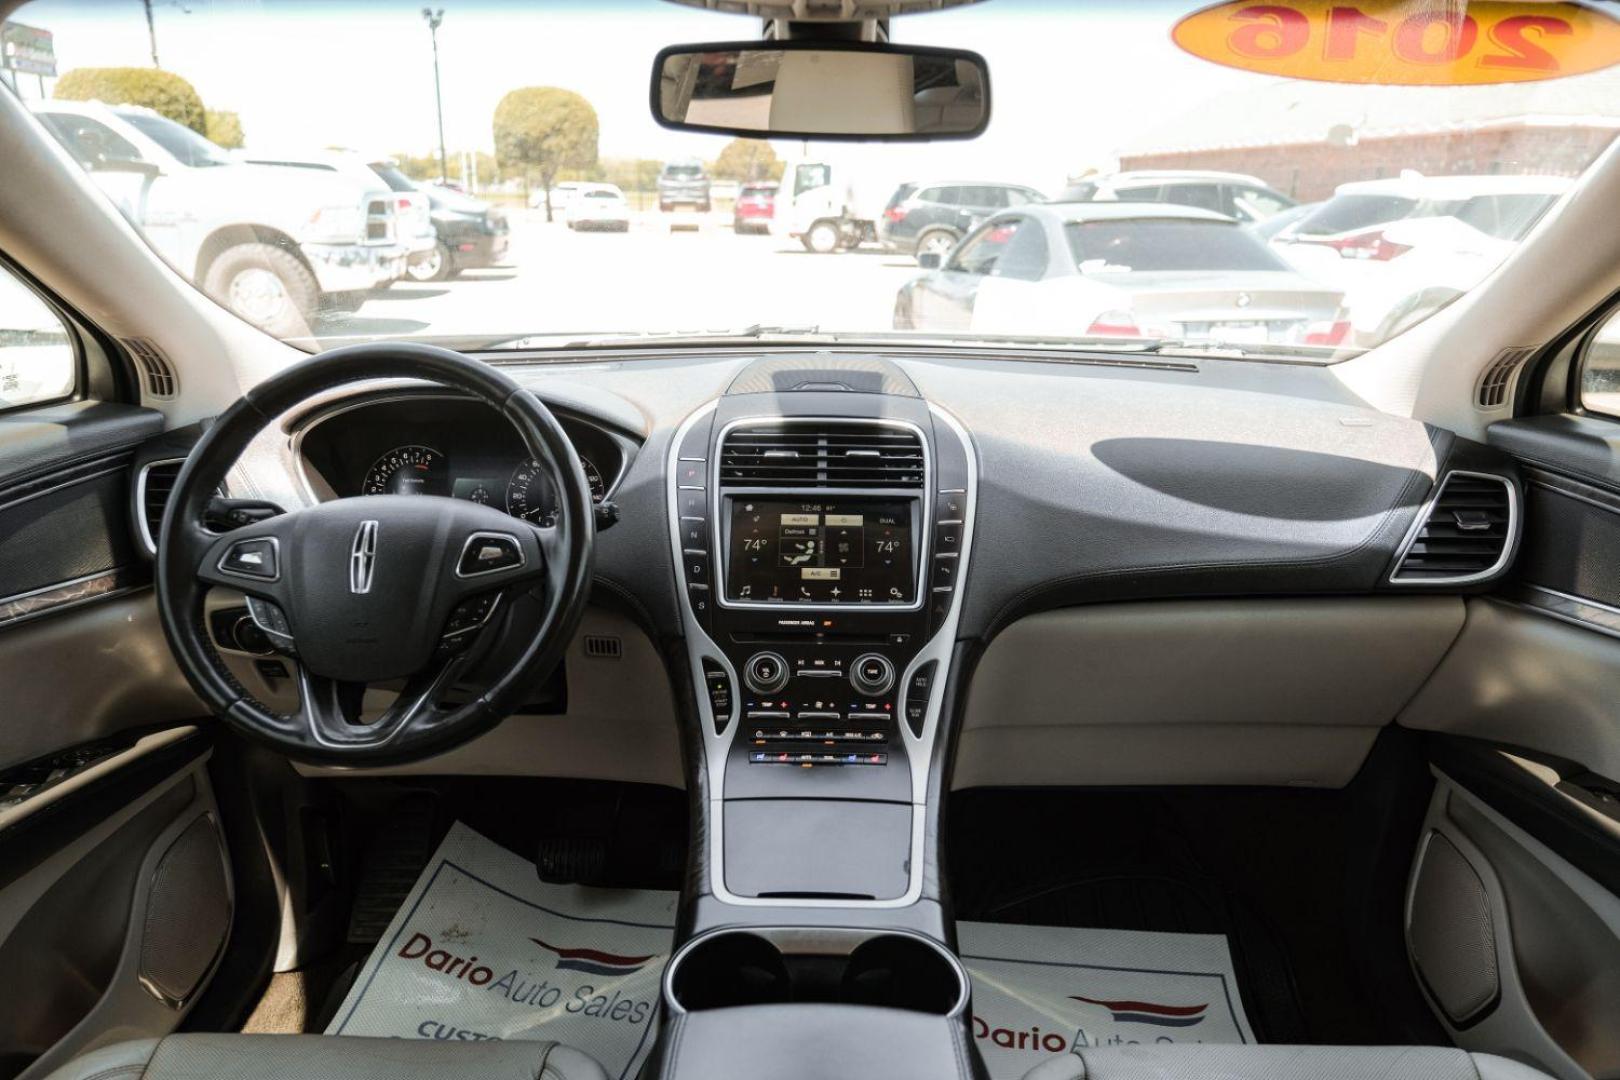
(1041, 990)
(481, 949)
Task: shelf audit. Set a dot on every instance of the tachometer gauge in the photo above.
(407, 470)
(530, 496)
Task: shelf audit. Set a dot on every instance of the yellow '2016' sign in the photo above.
(1444, 43)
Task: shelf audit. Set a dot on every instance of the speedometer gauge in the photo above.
(530, 495)
(407, 470)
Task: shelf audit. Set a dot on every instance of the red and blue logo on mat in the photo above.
(1149, 1012)
(594, 961)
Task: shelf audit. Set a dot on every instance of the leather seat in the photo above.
(328, 1057)
(1208, 1061)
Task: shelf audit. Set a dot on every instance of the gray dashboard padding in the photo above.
(1204, 691)
(1109, 488)
(1193, 1062)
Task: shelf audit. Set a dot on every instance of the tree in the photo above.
(224, 128)
(747, 159)
(161, 91)
(425, 167)
(541, 129)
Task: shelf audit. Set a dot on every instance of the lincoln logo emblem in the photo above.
(363, 557)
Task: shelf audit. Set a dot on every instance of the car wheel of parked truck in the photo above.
(436, 267)
(265, 285)
(823, 237)
(936, 242)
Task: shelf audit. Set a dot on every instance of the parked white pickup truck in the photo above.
(273, 245)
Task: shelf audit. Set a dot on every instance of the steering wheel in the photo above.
(380, 588)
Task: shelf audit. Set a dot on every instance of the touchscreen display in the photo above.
(833, 551)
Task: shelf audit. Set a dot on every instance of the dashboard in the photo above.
(424, 444)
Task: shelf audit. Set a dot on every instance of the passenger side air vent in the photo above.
(1466, 533)
(157, 374)
(1496, 384)
(822, 455)
(152, 491)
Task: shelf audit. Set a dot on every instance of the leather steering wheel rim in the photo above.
(555, 568)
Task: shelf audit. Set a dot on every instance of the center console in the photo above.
(821, 541)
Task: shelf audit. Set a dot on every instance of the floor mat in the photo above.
(1043, 990)
(481, 948)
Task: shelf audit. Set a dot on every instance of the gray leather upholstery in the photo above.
(1221, 1062)
(327, 1057)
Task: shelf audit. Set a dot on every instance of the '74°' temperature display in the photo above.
(828, 552)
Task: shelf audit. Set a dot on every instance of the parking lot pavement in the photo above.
(668, 272)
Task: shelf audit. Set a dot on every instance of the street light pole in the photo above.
(151, 31)
(434, 18)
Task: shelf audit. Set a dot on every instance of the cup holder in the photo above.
(728, 968)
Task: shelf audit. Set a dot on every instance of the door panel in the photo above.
(115, 892)
(1527, 752)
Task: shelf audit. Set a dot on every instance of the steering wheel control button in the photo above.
(258, 559)
(917, 688)
(765, 673)
(489, 553)
(871, 674)
(718, 685)
(273, 621)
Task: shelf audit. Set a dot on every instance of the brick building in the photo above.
(1306, 138)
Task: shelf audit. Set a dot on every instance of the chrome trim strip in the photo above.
(938, 649)
(921, 496)
(140, 501)
(1509, 545)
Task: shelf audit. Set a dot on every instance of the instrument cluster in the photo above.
(453, 447)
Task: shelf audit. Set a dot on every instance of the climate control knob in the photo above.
(765, 673)
(872, 674)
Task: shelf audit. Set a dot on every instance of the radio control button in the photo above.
(872, 674)
(765, 673)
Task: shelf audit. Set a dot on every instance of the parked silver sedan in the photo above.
(1120, 270)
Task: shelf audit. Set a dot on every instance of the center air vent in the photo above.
(822, 455)
(153, 489)
(1465, 535)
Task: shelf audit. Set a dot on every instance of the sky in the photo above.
(1070, 82)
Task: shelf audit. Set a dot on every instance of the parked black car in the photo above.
(931, 218)
(472, 234)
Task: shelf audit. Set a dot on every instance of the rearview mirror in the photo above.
(822, 90)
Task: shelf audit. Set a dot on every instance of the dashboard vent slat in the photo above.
(848, 456)
(1465, 535)
(1496, 383)
(157, 374)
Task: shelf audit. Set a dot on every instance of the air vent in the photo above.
(157, 374)
(1466, 532)
(603, 647)
(822, 455)
(152, 491)
(1496, 385)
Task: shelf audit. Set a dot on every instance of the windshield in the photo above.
(1371, 205)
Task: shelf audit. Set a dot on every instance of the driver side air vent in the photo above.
(1465, 534)
(822, 455)
(152, 491)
